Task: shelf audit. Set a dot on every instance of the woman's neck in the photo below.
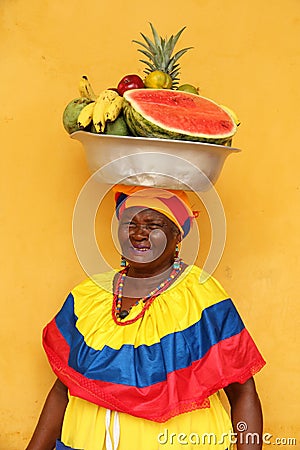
(157, 273)
(137, 284)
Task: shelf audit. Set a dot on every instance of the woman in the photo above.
(140, 367)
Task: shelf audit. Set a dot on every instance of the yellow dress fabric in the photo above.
(84, 428)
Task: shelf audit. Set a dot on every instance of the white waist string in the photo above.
(116, 431)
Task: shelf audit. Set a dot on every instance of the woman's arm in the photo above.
(246, 409)
(50, 422)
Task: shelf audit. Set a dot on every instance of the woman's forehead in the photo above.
(143, 213)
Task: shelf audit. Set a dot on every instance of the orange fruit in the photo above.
(158, 80)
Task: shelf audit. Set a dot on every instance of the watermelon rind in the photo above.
(141, 124)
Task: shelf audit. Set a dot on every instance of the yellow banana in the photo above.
(85, 88)
(114, 109)
(232, 114)
(86, 115)
(103, 101)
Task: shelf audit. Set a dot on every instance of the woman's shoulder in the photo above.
(196, 279)
(100, 283)
(91, 294)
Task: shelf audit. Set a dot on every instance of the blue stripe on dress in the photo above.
(174, 351)
(61, 446)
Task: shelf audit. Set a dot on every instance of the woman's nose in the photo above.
(140, 231)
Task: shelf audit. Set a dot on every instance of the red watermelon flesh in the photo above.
(181, 112)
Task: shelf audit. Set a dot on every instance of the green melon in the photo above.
(173, 114)
(118, 127)
(71, 113)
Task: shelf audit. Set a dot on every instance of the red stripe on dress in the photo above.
(161, 401)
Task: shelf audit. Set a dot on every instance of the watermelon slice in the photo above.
(171, 114)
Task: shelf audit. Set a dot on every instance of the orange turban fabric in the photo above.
(173, 204)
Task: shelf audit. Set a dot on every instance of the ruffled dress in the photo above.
(151, 384)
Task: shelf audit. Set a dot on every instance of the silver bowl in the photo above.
(164, 163)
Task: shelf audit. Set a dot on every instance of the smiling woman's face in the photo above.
(148, 239)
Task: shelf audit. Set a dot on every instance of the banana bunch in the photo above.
(108, 106)
(104, 107)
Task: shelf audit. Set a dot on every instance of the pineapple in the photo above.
(160, 56)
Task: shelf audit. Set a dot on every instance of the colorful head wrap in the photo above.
(173, 204)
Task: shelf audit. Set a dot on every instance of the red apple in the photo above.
(130, 82)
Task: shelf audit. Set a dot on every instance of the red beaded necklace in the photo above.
(119, 315)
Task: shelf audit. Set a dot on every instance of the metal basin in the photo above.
(164, 163)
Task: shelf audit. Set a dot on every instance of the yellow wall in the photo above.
(245, 56)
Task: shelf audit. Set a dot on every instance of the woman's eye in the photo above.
(148, 226)
(130, 225)
(127, 224)
(153, 226)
